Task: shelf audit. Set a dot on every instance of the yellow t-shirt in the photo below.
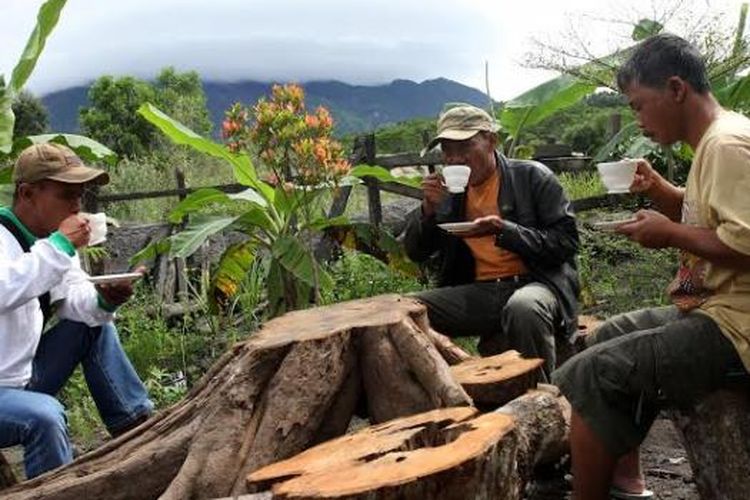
(717, 196)
(491, 261)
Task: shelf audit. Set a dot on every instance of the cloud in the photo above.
(364, 42)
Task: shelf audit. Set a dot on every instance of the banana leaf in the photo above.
(295, 258)
(254, 218)
(200, 199)
(375, 241)
(383, 175)
(735, 94)
(625, 134)
(232, 268)
(542, 101)
(6, 175)
(198, 230)
(197, 200)
(244, 171)
(47, 18)
(87, 149)
(7, 118)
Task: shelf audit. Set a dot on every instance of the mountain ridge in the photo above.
(355, 108)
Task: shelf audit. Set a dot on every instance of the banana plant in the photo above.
(277, 220)
(729, 84)
(88, 149)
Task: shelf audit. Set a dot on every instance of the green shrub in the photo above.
(357, 275)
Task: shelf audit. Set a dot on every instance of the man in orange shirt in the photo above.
(512, 279)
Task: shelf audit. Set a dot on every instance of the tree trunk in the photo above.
(716, 435)
(292, 384)
(495, 380)
(444, 453)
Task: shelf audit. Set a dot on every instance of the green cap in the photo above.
(460, 123)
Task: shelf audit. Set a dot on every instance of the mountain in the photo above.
(355, 108)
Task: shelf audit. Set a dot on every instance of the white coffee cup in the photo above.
(98, 225)
(456, 177)
(617, 176)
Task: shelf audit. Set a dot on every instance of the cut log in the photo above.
(265, 400)
(495, 380)
(716, 436)
(7, 477)
(445, 453)
(542, 417)
(441, 454)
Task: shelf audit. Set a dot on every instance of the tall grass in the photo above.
(158, 173)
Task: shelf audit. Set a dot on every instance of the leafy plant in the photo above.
(47, 17)
(301, 164)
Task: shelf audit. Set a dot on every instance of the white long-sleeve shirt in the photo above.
(26, 276)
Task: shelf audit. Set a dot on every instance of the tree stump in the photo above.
(495, 380)
(7, 477)
(291, 384)
(450, 453)
(716, 436)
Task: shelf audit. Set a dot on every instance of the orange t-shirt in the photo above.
(491, 261)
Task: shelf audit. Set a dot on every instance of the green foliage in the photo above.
(581, 185)
(181, 95)
(32, 117)
(112, 119)
(404, 136)
(542, 101)
(646, 28)
(618, 275)
(47, 18)
(357, 275)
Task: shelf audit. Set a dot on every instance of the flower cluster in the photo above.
(234, 128)
(293, 144)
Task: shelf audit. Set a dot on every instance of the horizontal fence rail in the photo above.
(363, 152)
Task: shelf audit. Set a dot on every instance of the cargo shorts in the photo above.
(641, 361)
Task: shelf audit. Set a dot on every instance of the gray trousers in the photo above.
(505, 315)
(641, 361)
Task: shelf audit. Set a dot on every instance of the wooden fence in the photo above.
(364, 151)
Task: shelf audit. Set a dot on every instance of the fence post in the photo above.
(180, 265)
(615, 124)
(91, 199)
(425, 142)
(373, 190)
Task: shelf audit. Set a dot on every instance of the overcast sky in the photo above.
(364, 42)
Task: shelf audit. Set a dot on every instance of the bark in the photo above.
(444, 453)
(716, 435)
(7, 477)
(293, 383)
(495, 380)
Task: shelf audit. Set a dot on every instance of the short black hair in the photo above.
(661, 57)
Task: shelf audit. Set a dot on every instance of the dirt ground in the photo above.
(664, 460)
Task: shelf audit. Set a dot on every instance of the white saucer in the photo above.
(611, 225)
(618, 191)
(114, 278)
(457, 227)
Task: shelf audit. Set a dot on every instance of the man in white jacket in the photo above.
(41, 281)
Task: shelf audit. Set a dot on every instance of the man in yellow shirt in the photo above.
(682, 352)
(512, 281)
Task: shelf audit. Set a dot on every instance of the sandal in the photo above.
(619, 494)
